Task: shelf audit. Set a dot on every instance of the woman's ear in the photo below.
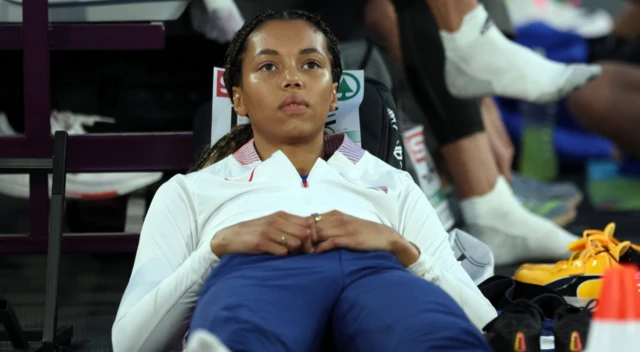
(238, 103)
(334, 97)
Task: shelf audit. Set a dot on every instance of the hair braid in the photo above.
(240, 135)
(225, 146)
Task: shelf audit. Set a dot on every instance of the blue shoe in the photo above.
(532, 189)
(560, 212)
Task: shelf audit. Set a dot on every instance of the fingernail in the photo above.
(313, 250)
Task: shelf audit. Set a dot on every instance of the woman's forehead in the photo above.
(286, 36)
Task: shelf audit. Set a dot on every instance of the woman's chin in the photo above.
(300, 134)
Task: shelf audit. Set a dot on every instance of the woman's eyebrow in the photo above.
(308, 51)
(267, 52)
(271, 52)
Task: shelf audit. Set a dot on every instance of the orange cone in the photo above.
(616, 322)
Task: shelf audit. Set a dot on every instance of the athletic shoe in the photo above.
(517, 328)
(502, 292)
(579, 278)
(475, 257)
(571, 328)
(530, 188)
(580, 245)
(561, 213)
(549, 305)
(86, 186)
(562, 16)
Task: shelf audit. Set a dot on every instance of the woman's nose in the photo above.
(292, 80)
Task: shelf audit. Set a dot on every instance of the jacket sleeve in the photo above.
(419, 224)
(169, 270)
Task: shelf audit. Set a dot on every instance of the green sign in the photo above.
(349, 87)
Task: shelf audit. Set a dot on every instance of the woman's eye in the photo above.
(311, 65)
(267, 67)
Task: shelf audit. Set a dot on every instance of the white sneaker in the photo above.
(475, 256)
(562, 16)
(85, 185)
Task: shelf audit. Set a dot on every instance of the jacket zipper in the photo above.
(305, 191)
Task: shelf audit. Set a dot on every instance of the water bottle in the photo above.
(538, 157)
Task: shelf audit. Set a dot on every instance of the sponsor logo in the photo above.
(576, 342)
(399, 153)
(416, 146)
(519, 345)
(392, 118)
(380, 188)
(221, 91)
(570, 285)
(349, 87)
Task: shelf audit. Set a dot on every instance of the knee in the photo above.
(586, 107)
(590, 103)
(380, 17)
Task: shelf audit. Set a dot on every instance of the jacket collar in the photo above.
(337, 143)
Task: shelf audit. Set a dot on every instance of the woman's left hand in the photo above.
(339, 230)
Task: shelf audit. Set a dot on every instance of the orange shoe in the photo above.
(579, 278)
(579, 246)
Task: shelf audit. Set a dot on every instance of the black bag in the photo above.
(379, 128)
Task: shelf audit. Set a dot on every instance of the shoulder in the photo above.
(226, 168)
(187, 185)
(175, 192)
(371, 165)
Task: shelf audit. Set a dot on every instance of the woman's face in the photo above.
(287, 90)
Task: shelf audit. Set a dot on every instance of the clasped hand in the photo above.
(282, 233)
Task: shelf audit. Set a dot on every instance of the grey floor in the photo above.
(90, 289)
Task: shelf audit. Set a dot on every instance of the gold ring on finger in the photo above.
(284, 239)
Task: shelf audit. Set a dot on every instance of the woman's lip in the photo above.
(294, 109)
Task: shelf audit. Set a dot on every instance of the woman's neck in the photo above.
(302, 155)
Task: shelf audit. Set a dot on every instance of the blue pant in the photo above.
(369, 301)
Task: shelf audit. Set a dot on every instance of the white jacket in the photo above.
(174, 257)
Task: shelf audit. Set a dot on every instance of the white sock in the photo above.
(204, 341)
(481, 61)
(513, 233)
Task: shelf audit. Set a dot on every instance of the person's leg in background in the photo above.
(488, 204)
(456, 122)
(383, 307)
(481, 61)
(269, 303)
(627, 24)
(623, 43)
(501, 145)
(610, 104)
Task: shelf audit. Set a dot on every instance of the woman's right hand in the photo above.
(279, 234)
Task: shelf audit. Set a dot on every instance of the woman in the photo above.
(372, 262)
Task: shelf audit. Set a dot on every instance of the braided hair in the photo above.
(241, 134)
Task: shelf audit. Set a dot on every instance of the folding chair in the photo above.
(51, 337)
